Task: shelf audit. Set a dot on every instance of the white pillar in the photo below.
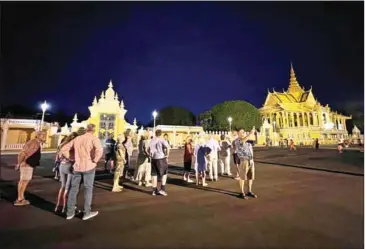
(174, 139)
(3, 138)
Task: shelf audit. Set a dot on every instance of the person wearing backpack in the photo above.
(247, 166)
(225, 156)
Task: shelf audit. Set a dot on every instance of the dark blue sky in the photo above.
(189, 54)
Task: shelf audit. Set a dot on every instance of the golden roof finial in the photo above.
(293, 83)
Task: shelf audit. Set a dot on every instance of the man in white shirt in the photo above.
(213, 158)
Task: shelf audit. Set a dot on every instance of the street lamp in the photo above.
(230, 124)
(44, 107)
(154, 115)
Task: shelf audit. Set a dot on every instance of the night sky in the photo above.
(188, 54)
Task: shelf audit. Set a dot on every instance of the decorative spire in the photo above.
(294, 86)
(293, 78)
(75, 118)
(122, 104)
(102, 96)
(110, 84)
(116, 97)
(135, 122)
(95, 101)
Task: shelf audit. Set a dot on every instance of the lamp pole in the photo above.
(44, 107)
(230, 125)
(154, 114)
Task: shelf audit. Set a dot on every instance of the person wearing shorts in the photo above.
(28, 159)
(236, 159)
(246, 167)
(65, 173)
(158, 150)
(188, 157)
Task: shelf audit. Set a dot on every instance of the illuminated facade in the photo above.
(107, 114)
(296, 114)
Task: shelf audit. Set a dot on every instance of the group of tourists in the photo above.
(79, 153)
(209, 154)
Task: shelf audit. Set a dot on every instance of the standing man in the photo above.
(109, 153)
(28, 159)
(247, 166)
(158, 150)
(88, 151)
(213, 158)
(236, 159)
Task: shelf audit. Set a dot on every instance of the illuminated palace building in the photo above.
(296, 114)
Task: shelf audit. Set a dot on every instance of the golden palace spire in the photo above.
(294, 86)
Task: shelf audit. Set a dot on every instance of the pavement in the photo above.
(306, 199)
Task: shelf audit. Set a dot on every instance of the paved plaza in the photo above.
(306, 199)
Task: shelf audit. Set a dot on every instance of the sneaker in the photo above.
(243, 196)
(21, 202)
(163, 193)
(237, 178)
(229, 174)
(153, 193)
(90, 215)
(185, 179)
(205, 184)
(250, 194)
(70, 217)
(140, 184)
(148, 185)
(190, 181)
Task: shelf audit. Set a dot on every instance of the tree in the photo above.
(244, 115)
(175, 116)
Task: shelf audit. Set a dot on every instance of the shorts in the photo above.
(159, 167)
(109, 157)
(247, 169)
(26, 173)
(236, 159)
(187, 166)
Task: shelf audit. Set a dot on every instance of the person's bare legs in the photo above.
(59, 197)
(197, 177)
(65, 194)
(204, 184)
(154, 185)
(22, 186)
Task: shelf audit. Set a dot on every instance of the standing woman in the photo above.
(143, 171)
(65, 172)
(188, 157)
(120, 153)
(128, 144)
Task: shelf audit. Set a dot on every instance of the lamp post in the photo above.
(44, 107)
(229, 119)
(154, 115)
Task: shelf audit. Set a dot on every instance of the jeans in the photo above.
(65, 175)
(88, 179)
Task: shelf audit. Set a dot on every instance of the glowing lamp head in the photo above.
(229, 119)
(44, 106)
(154, 114)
